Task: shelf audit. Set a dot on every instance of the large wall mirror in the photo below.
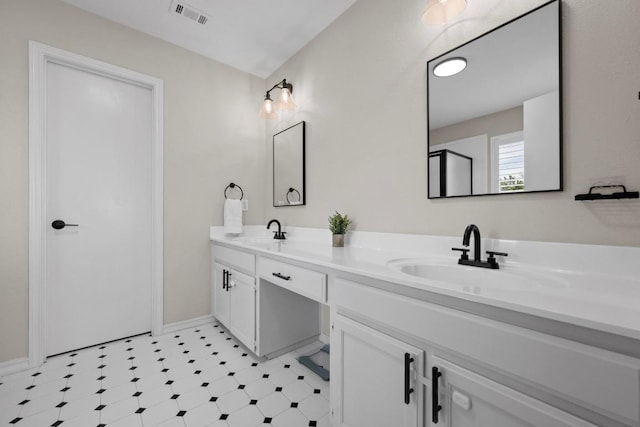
(288, 166)
(495, 126)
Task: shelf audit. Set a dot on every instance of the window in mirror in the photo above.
(510, 86)
(508, 173)
(289, 166)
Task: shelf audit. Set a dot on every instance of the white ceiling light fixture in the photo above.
(450, 67)
(440, 12)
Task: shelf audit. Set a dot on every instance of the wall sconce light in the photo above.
(442, 11)
(284, 102)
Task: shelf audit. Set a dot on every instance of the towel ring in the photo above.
(232, 185)
(291, 190)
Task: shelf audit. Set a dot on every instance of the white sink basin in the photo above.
(267, 243)
(477, 279)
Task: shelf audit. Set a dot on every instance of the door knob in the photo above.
(59, 224)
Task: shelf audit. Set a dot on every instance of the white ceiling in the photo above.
(256, 36)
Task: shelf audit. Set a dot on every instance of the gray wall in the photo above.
(212, 137)
(499, 123)
(361, 87)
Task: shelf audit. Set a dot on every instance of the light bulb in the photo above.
(268, 111)
(285, 100)
(268, 106)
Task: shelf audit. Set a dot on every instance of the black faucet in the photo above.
(472, 228)
(279, 235)
(476, 262)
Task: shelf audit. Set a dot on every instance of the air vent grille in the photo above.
(189, 12)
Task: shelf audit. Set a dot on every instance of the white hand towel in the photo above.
(232, 216)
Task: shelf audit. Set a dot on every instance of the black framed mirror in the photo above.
(503, 111)
(289, 166)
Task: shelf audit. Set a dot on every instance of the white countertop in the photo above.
(593, 286)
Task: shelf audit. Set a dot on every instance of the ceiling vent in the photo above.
(190, 12)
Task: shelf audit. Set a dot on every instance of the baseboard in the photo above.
(13, 366)
(185, 324)
(323, 338)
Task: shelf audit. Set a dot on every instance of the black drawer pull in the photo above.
(281, 276)
(435, 405)
(59, 224)
(407, 379)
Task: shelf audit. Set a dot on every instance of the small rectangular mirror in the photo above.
(495, 126)
(289, 166)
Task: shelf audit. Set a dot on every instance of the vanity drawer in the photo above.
(234, 258)
(602, 381)
(308, 283)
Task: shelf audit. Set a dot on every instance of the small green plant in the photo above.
(339, 224)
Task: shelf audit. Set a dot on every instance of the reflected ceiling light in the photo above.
(450, 67)
(285, 101)
(440, 12)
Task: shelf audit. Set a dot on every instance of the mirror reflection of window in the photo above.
(508, 163)
(511, 84)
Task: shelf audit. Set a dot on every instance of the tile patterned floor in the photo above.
(195, 377)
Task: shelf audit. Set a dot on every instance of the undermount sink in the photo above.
(261, 242)
(475, 279)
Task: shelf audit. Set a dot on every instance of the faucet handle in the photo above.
(494, 253)
(465, 253)
(492, 258)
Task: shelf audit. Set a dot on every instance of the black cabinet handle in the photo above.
(280, 276)
(224, 280)
(435, 405)
(59, 224)
(407, 378)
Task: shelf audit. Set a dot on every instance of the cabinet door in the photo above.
(220, 295)
(468, 399)
(368, 384)
(242, 307)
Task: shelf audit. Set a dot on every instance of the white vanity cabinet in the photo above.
(220, 295)
(373, 378)
(234, 293)
(393, 343)
(302, 281)
(592, 381)
(235, 303)
(466, 399)
(269, 305)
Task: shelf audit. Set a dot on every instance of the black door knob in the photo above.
(59, 224)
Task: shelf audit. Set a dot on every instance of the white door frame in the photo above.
(39, 56)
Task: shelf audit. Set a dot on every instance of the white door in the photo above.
(373, 378)
(98, 176)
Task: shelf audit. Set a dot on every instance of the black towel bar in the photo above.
(624, 194)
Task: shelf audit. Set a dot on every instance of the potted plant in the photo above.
(339, 225)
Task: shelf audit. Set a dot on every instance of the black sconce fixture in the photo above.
(285, 100)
